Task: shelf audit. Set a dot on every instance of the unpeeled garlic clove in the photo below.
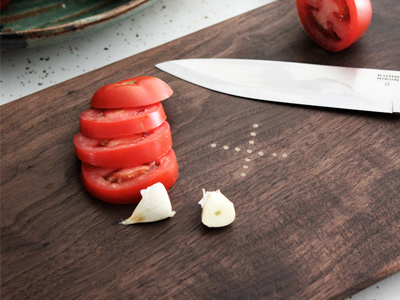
(217, 210)
(154, 206)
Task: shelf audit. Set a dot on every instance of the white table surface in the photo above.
(25, 71)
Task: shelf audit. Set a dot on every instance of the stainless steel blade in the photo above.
(296, 83)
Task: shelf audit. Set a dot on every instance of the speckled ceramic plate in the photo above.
(32, 23)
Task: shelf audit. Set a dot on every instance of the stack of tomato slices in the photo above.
(125, 142)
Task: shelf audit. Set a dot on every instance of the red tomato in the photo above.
(133, 92)
(122, 186)
(335, 24)
(105, 123)
(126, 151)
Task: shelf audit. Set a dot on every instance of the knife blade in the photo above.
(293, 83)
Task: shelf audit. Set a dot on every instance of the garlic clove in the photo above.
(154, 206)
(217, 210)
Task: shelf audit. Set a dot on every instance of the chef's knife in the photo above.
(296, 83)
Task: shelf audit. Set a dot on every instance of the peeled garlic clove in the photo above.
(154, 206)
(217, 210)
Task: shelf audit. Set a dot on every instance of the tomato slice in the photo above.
(133, 92)
(335, 24)
(126, 151)
(105, 123)
(123, 186)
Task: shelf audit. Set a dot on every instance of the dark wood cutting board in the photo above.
(316, 190)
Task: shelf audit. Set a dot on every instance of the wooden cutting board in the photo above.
(316, 190)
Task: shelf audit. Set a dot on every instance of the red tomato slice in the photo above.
(123, 186)
(133, 92)
(335, 24)
(126, 151)
(105, 123)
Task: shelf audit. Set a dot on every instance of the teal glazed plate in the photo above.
(34, 23)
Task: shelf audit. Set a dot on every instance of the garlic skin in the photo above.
(217, 210)
(154, 206)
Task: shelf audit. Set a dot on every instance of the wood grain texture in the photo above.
(318, 211)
